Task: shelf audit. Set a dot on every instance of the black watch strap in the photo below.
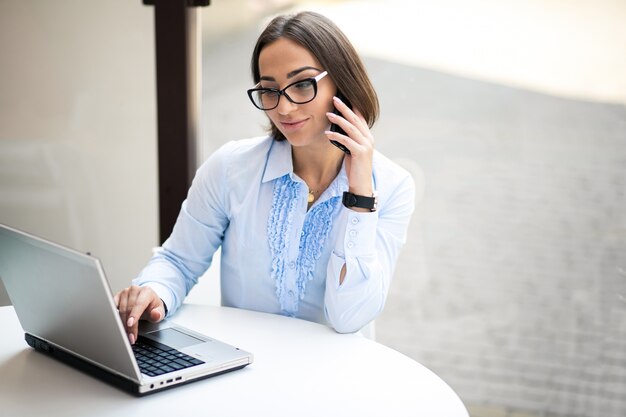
(353, 200)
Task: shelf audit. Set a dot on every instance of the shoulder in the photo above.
(233, 153)
(245, 147)
(235, 166)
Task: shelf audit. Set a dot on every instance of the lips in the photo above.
(293, 125)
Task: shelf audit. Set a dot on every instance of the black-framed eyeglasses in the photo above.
(299, 92)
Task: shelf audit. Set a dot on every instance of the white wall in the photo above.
(78, 127)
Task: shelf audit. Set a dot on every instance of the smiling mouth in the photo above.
(293, 125)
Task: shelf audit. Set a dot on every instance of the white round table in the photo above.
(300, 368)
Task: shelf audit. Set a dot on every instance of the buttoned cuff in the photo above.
(360, 236)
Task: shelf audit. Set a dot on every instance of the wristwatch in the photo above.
(353, 200)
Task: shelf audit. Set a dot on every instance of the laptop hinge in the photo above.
(81, 364)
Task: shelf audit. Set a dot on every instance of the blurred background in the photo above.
(511, 115)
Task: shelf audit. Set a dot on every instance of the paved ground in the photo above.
(512, 286)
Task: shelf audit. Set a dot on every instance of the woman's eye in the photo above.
(268, 93)
(304, 84)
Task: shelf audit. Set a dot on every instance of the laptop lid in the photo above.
(63, 300)
(60, 296)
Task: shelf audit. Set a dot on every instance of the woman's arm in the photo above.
(362, 264)
(188, 252)
(365, 255)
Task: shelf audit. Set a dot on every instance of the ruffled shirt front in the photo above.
(277, 255)
(317, 226)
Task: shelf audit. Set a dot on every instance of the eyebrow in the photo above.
(291, 74)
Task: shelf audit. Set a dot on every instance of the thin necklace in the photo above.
(312, 192)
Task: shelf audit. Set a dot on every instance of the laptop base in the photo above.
(118, 381)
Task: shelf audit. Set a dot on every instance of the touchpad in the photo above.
(173, 338)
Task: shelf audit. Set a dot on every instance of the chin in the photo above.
(297, 143)
(296, 138)
(304, 137)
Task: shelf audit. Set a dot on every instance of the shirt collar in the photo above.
(279, 161)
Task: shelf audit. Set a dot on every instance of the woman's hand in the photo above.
(138, 303)
(360, 142)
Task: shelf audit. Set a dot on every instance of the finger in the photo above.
(353, 116)
(121, 301)
(351, 131)
(359, 133)
(361, 124)
(341, 139)
(365, 129)
(149, 306)
(139, 301)
(132, 330)
(344, 110)
(134, 309)
(157, 314)
(354, 145)
(154, 303)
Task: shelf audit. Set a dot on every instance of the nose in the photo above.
(285, 106)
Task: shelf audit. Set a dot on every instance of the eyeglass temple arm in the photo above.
(316, 78)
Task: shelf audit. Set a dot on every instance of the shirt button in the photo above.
(354, 220)
(350, 245)
(353, 233)
(291, 293)
(292, 265)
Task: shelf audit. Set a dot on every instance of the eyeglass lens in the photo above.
(299, 92)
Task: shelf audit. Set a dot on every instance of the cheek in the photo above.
(272, 116)
(327, 100)
(325, 105)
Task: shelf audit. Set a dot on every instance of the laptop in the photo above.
(65, 306)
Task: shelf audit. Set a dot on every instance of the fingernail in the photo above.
(130, 322)
(131, 337)
(337, 99)
(328, 132)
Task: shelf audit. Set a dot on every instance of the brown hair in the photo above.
(332, 49)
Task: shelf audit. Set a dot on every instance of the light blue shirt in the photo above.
(277, 256)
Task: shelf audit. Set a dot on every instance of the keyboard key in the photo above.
(156, 359)
(183, 363)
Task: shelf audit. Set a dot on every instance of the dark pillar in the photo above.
(178, 78)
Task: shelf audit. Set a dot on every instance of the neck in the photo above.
(317, 166)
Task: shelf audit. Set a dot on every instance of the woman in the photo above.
(306, 230)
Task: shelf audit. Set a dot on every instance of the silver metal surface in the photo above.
(62, 297)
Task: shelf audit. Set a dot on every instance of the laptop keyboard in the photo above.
(156, 359)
